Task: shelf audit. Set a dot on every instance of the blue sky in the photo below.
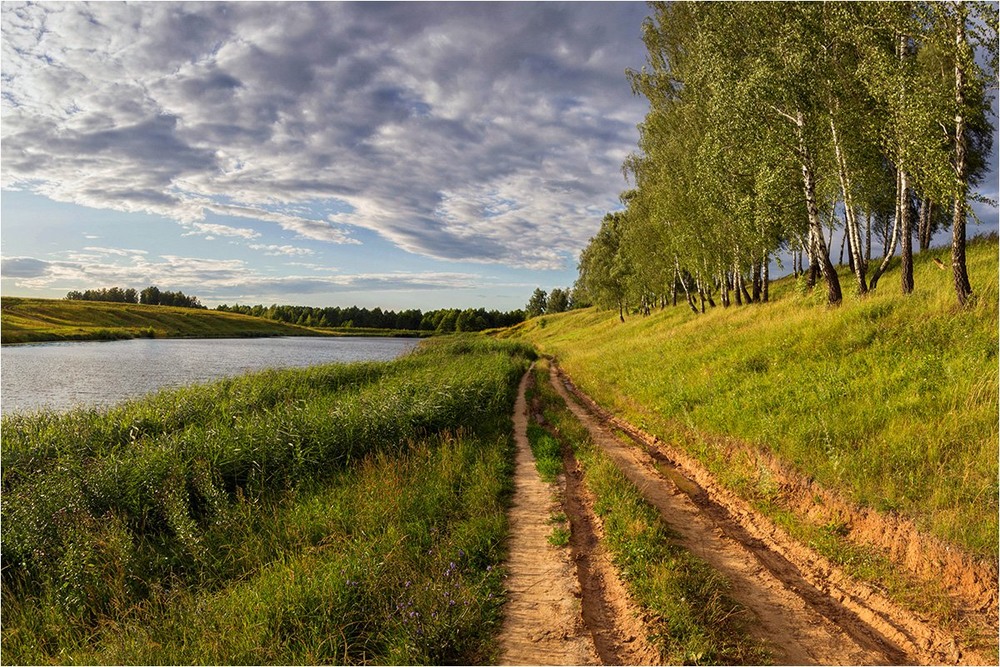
(397, 155)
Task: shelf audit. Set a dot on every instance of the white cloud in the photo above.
(483, 131)
(214, 279)
(120, 252)
(275, 250)
(212, 230)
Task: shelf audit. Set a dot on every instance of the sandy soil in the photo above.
(543, 624)
(566, 605)
(613, 619)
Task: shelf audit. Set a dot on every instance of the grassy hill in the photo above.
(889, 400)
(31, 320)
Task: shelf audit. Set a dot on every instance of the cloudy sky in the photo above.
(396, 155)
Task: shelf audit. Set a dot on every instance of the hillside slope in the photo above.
(890, 401)
(32, 320)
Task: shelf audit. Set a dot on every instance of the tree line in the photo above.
(774, 127)
(152, 296)
(559, 300)
(443, 320)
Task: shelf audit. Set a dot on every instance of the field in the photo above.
(34, 320)
(888, 400)
(343, 513)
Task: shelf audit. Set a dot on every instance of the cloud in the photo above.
(120, 252)
(490, 132)
(213, 279)
(23, 267)
(212, 230)
(274, 250)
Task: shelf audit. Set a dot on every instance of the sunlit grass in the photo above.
(27, 320)
(889, 399)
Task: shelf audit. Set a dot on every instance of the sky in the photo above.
(400, 155)
(413, 155)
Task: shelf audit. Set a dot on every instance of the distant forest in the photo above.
(442, 320)
(152, 296)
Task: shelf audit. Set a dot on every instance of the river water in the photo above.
(60, 376)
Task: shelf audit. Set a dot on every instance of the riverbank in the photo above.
(29, 320)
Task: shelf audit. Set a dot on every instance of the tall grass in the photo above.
(889, 399)
(286, 522)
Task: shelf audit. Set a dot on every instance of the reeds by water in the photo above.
(287, 516)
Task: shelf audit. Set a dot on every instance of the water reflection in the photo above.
(64, 375)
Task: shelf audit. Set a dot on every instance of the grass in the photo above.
(373, 332)
(547, 453)
(340, 514)
(693, 620)
(546, 449)
(890, 400)
(27, 320)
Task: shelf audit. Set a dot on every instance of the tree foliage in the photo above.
(152, 296)
(445, 320)
(538, 303)
(558, 300)
(112, 294)
(774, 128)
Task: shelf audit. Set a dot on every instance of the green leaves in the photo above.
(767, 119)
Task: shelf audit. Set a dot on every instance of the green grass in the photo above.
(24, 320)
(693, 619)
(338, 514)
(560, 536)
(547, 452)
(890, 400)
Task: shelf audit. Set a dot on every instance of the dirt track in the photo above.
(542, 620)
(806, 608)
(566, 605)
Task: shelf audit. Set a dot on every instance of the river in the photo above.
(60, 376)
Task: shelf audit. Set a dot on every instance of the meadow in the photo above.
(343, 513)
(890, 400)
(27, 320)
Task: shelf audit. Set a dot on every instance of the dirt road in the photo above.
(807, 610)
(543, 624)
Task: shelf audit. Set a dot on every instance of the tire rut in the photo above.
(565, 605)
(614, 623)
(808, 611)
